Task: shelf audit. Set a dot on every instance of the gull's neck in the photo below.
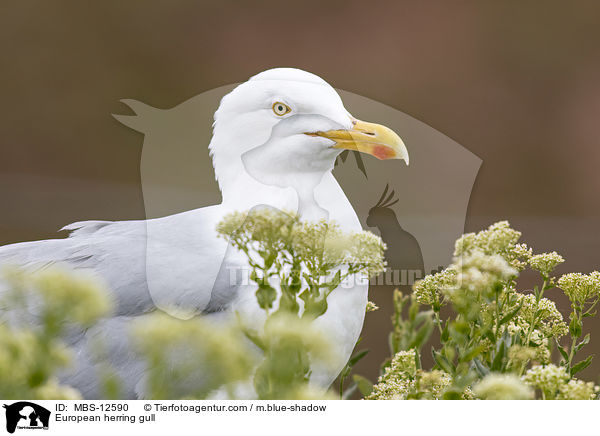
(243, 192)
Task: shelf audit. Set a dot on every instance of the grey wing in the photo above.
(166, 262)
(169, 262)
(113, 251)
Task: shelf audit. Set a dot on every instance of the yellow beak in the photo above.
(374, 139)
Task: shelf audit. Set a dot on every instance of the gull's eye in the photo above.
(281, 108)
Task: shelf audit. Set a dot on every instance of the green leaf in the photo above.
(358, 356)
(480, 368)
(393, 346)
(295, 282)
(563, 352)
(517, 340)
(313, 307)
(510, 315)
(269, 259)
(584, 341)
(386, 364)
(422, 335)
(254, 337)
(422, 317)
(581, 365)
(288, 303)
(442, 362)
(345, 372)
(452, 395)
(265, 295)
(490, 335)
(575, 327)
(471, 353)
(413, 310)
(461, 327)
(334, 282)
(365, 387)
(499, 357)
(445, 334)
(506, 338)
(459, 331)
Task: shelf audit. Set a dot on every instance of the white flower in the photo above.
(548, 378)
(545, 262)
(580, 287)
(371, 307)
(551, 323)
(502, 387)
(429, 290)
(578, 390)
(498, 239)
(479, 271)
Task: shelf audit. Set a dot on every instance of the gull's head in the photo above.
(286, 126)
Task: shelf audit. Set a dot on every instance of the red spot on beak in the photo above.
(381, 152)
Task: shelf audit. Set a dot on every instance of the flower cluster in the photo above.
(398, 378)
(371, 307)
(496, 332)
(545, 263)
(43, 307)
(162, 340)
(549, 322)
(547, 378)
(555, 383)
(430, 289)
(580, 288)
(306, 261)
(402, 380)
(295, 266)
(540, 342)
(353, 248)
(578, 390)
(496, 386)
(498, 239)
(280, 236)
(475, 280)
(57, 296)
(519, 355)
(480, 271)
(434, 383)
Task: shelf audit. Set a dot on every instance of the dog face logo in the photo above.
(26, 415)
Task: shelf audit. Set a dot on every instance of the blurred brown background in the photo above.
(514, 82)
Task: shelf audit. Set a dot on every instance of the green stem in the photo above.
(571, 353)
(497, 317)
(538, 297)
(438, 321)
(573, 343)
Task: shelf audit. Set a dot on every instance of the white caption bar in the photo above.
(290, 418)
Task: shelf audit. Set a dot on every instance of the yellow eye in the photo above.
(281, 108)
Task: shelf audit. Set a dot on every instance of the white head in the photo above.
(284, 127)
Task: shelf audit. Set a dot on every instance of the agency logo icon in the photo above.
(418, 210)
(26, 415)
